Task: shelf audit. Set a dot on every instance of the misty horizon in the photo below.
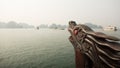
(14, 24)
(35, 12)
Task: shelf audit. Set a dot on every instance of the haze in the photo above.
(36, 12)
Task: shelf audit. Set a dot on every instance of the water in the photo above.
(30, 48)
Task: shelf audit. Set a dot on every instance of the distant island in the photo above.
(94, 26)
(52, 26)
(13, 24)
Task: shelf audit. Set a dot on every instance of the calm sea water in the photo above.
(44, 48)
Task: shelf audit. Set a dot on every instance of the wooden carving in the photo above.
(93, 49)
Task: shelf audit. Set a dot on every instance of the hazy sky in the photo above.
(35, 12)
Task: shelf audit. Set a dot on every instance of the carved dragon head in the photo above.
(100, 48)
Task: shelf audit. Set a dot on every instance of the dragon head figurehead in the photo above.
(102, 50)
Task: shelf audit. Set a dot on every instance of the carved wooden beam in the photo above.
(93, 49)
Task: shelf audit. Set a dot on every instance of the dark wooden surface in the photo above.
(94, 49)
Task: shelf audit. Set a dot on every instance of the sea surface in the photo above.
(44, 48)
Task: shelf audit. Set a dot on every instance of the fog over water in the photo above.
(31, 48)
(23, 42)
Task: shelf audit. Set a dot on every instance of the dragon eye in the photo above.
(75, 32)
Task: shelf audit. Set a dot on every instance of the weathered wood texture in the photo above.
(94, 49)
